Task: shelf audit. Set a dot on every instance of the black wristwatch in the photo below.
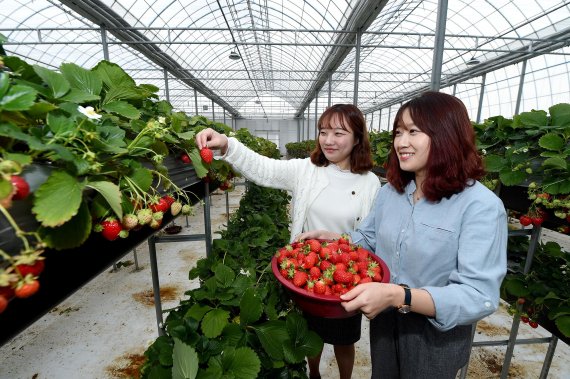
(406, 307)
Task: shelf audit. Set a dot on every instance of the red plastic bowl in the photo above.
(321, 305)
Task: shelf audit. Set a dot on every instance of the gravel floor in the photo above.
(102, 330)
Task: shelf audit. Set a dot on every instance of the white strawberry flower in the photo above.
(89, 112)
(162, 120)
(244, 272)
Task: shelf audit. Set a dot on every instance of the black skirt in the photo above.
(336, 331)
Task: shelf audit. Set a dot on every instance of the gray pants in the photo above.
(409, 347)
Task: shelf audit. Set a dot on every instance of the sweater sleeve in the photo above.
(263, 171)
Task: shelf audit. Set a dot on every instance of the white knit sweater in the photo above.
(301, 177)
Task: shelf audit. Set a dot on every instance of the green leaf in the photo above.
(532, 118)
(551, 141)
(557, 162)
(59, 123)
(511, 178)
(214, 322)
(58, 199)
(122, 108)
(272, 336)
(250, 306)
(141, 178)
(72, 233)
(560, 114)
(120, 93)
(185, 361)
(563, 324)
(516, 287)
(113, 75)
(153, 89)
(199, 167)
(5, 188)
(54, 80)
(40, 109)
(164, 107)
(78, 96)
(18, 98)
(241, 363)
(197, 311)
(494, 163)
(111, 193)
(82, 79)
(4, 83)
(188, 136)
(224, 275)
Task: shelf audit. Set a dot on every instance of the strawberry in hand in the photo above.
(207, 155)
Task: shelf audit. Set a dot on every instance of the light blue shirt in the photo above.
(455, 249)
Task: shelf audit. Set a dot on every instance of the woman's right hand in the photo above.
(211, 139)
(317, 234)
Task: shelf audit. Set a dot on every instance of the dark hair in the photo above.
(453, 162)
(348, 116)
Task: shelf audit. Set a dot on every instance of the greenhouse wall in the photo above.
(281, 132)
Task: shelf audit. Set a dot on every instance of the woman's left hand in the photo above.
(370, 298)
(317, 234)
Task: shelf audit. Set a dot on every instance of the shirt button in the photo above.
(354, 193)
(403, 230)
(488, 304)
(358, 219)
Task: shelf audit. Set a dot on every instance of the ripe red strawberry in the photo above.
(34, 269)
(185, 158)
(362, 254)
(365, 279)
(344, 247)
(340, 276)
(27, 288)
(343, 240)
(300, 278)
(311, 260)
(111, 229)
(161, 205)
(3, 304)
(314, 245)
(533, 324)
(324, 265)
(169, 199)
(525, 220)
(325, 252)
(22, 187)
(333, 246)
(320, 287)
(315, 272)
(207, 155)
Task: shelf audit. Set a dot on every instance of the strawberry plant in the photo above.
(239, 321)
(544, 291)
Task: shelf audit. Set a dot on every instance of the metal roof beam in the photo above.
(98, 13)
(361, 18)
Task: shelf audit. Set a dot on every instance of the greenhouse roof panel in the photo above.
(288, 50)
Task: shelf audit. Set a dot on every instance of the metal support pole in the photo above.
(521, 84)
(330, 88)
(213, 111)
(316, 110)
(308, 119)
(136, 259)
(104, 43)
(379, 119)
(534, 240)
(166, 90)
(454, 89)
(207, 219)
(438, 48)
(548, 358)
(196, 101)
(481, 95)
(357, 66)
(155, 283)
(372, 121)
(227, 206)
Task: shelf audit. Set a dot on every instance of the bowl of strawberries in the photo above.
(317, 272)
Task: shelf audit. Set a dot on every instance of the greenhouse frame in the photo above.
(272, 67)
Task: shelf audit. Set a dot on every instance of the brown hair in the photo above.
(453, 162)
(350, 118)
